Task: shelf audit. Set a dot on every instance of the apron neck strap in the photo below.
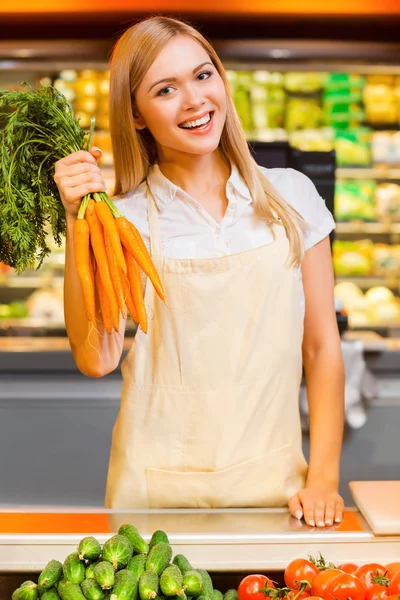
(154, 223)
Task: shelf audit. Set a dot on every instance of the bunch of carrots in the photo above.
(109, 254)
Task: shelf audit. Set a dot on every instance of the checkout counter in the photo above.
(227, 543)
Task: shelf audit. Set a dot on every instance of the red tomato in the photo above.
(394, 587)
(321, 581)
(298, 595)
(393, 568)
(377, 592)
(299, 569)
(345, 586)
(393, 597)
(250, 588)
(367, 573)
(348, 568)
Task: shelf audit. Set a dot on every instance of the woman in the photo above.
(209, 414)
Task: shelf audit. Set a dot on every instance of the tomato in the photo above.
(367, 573)
(321, 581)
(377, 592)
(393, 597)
(393, 568)
(345, 586)
(299, 569)
(250, 587)
(394, 586)
(348, 568)
(298, 595)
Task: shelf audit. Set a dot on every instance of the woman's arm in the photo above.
(320, 502)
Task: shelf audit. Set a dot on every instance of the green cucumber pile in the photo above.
(125, 568)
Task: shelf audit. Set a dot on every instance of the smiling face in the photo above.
(182, 100)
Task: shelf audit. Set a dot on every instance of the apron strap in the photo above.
(154, 223)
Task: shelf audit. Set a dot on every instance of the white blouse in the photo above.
(187, 230)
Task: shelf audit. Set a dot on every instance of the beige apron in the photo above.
(209, 414)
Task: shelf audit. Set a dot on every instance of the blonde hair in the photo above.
(135, 151)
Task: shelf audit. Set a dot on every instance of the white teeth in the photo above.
(197, 123)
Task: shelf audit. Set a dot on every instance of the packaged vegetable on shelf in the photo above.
(352, 258)
(355, 200)
(353, 147)
(387, 201)
(386, 260)
(39, 129)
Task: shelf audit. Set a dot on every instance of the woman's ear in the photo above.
(139, 122)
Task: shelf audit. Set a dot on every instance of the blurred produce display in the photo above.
(355, 114)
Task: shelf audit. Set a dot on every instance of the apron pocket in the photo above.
(265, 481)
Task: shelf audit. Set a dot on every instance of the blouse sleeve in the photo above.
(304, 197)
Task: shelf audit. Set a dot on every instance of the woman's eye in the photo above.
(207, 75)
(164, 91)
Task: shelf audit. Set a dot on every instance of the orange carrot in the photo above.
(107, 220)
(128, 299)
(84, 266)
(104, 305)
(131, 243)
(135, 283)
(99, 249)
(115, 273)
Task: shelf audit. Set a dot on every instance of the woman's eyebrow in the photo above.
(170, 79)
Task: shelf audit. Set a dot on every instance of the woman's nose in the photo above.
(192, 98)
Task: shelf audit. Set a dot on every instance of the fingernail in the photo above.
(96, 148)
(312, 523)
(328, 522)
(338, 519)
(298, 514)
(321, 524)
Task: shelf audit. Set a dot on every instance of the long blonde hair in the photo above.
(135, 151)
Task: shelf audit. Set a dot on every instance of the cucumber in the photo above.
(74, 569)
(89, 548)
(91, 590)
(60, 587)
(231, 595)
(118, 550)
(148, 585)
(51, 574)
(208, 589)
(183, 563)
(137, 565)
(104, 575)
(157, 537)
(139, 545)
(218, 595)
(193, 583)
(26, 592)
(70, 591)
(171, 581)
(29, 583)
(51, 594)
(89, 573)
(158, 558)
(125, 587)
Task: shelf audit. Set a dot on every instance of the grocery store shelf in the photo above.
(365, 173)
(368, 282)
(31, 282)
(367, 228)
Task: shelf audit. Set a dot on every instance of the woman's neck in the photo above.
(197, 174)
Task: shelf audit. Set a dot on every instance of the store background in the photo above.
(315, 89)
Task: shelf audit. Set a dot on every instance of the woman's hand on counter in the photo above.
(319, 506)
